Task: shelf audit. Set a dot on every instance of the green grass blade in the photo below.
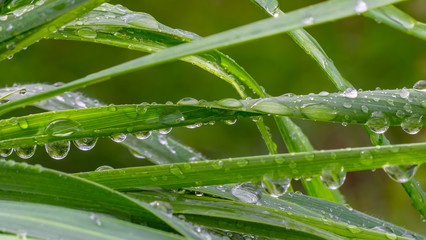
(395, 18)
(51, 222)
(255, 168)
(417, 195)
(322, 12)
(18, 32)
(105, 121)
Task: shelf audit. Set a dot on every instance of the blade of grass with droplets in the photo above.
(52, 222)
(243, 213)
(322, 12)
(255, 168)
(299, 142)
(23, 29)
(379, 109)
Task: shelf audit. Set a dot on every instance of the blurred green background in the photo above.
(368, 54)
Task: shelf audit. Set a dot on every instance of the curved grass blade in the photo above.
(384, 106)
(364, 227)
(255, 168)
(51, 222)
(19, 31)
(322, 12)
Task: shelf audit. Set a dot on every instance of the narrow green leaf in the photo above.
(322, 12)
(51, 222)
(254, 168)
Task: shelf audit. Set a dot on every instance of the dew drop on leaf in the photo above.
(319, 112)
(58, 150)
(164, 131)
(118, 137)
(378, 122)
(231, 121)
(104, 168)
(401, 173)
(6, 152)
(85, 144)
(404, 93)
(171, 117)
(62, 128)
(230, 103)
(188, 101)
(276, 187)
(86, 32)
(350, 93)
(25, 152)
(361, 7)
(420, 86)
(412, 124)
(164, 207)
(271, 107)
(142, 135)
(366, 157)
(333, 180)
(247, 192)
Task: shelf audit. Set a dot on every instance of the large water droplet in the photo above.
(85, 144)
(62, 128)
(319, 112)
(420, 86)
(276, 187)
(104, 168)
(165, 131)
(378, 122)
(25, 152)
(350, 93)
(86, 32)
(171, 117)
(247, 192)
(333, 180)
(404, 93)
(401, 173)
(366, 157)
(23, 124)
(118, 137)
(142, 135)
(361, 7)
(412, 124)
(271, 107)
(188, 101)
(230, 103)
(142, 20)
(163, 206)
(5, 152)
(58, 150)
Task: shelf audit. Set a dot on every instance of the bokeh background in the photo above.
(367, 53)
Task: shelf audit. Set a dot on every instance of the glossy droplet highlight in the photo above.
(188, 101)
(247, 192)
(366, 157)
(6, 152)
(271, 107)
(165, 131)
(333, 180)
(164, 207)
(118, 137)
(86, 32)
(104, 168)
(319, 112)
(404, 93)
(401, 173)
(420, 86)
(230, 103)
(412, 124)
(85, 144)
(58, 150)
(361, 7)
(62, 128)
(171, 117)
(142, 135)
(378, 122)
(350, 93)
(276, 187)
(25, 152)
(175, 170)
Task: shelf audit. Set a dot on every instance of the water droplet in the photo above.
(62, 128)
(319, 112)
(366, 157)
(391, 236)
(175, 170)
(141, 20)
(323, 94)
(86, 32)
(401, 173)
(23, 91)
(420, 86)
(171, 117)
(196, 125)
(104, 168)
(85, 144)
(230, 103)
(230, 121)
(188, 101)
(333, 180)
(25, 152)
(347, 105)
(400, 113)
(58, 150)
(354, 229)
(350, 93)
(165, 131)
(163, 206)
(142, 135)
(137, 154)
(95, 219)
(276, 187)
(412, 124)
(364, 109)
(142, 108)
(242, 162)
(5, 152)
(271, 107)
(112, 108)
(361, 7)
(309, 156)
(404, 93)
(118, 137)
(23, 123)
(378, 122)
(10, 46)
(247, 192)
(217, 164)
(308, 20)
